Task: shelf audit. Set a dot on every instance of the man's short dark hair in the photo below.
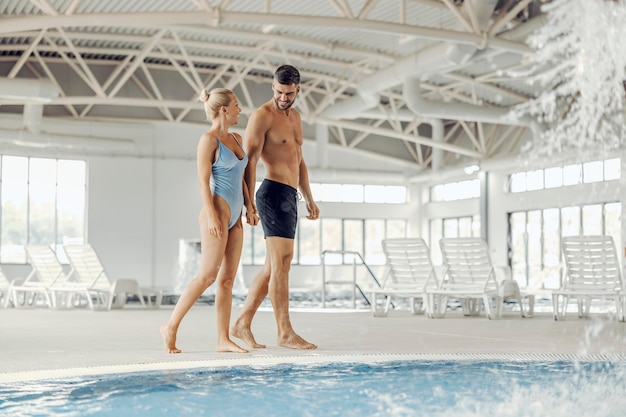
(287, 75)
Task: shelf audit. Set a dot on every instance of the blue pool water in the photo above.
(399, 388)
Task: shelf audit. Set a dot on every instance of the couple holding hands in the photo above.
(227, 176)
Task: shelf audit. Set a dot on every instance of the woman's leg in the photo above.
(211, 253)
(224, 292)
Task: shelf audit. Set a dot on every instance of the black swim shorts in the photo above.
(277, 204)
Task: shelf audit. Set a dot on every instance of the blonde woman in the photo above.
(221, 163)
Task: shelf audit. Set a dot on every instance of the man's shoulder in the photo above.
(267, 106)
(264, 110)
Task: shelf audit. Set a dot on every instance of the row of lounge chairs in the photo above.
(592, 271)
(86, 284)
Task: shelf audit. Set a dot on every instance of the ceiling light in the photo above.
(471, 169)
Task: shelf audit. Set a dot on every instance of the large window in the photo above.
(563, 176)
(43, 203)
(452, 191)
(358, 193)
(313, 237)
(467, 226)
(535, 245)
(337, 234)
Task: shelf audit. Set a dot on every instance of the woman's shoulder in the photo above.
(208, 140)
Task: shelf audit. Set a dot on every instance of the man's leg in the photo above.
(242, 328)
(280, 253)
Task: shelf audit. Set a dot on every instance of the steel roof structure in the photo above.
(423, 82)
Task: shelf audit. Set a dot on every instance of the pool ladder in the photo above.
(346, 282)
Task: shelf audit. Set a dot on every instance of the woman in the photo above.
(221, 162)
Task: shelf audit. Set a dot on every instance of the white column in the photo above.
(321, 135)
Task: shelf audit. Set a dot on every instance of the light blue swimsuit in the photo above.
(227, 179)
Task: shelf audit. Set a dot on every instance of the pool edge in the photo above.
(25, 376)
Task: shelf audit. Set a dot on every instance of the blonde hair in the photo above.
(214, 100)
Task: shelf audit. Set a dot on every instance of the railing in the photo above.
(347, 282)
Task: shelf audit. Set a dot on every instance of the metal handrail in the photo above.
(353, 281)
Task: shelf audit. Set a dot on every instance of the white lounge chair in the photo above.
(65, 292)
(470, 277)
(592, 271)
(88, 268)
(5, 285)
(47, 279)
(410, 272)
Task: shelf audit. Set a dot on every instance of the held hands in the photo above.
(314, 211)
(252, 215)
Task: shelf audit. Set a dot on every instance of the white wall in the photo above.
(121, 214)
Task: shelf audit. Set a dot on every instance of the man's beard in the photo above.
(278, 104)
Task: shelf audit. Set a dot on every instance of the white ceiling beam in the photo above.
(203, 5)
(470, 134)
(411, 151)
(359, 127)
(469, 8)
(26, 54)
(452, 131)
(498, 24)
(45, 7)
(94, 84)
(515, 141)
(342, 136)
(188, 60)
(155, 94)
(342, 8)
(161, 19)
(116, 72)
(207, 85)
(254, 57)
(367, 7)
(137, 61)
(361, 136)
(71, 8)
(396, 162)
(490, 138)
(481, 138)
(70, 62)
(198, 59)
(459, 16)
(181, 71)
(432, 3)
(52, 78)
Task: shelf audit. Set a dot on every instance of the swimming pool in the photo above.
(470, 387)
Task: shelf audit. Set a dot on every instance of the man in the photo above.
(274, 135)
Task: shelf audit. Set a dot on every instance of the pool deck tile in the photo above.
(39, 342)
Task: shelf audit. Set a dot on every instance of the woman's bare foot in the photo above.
(169, 338)
(294, 341)
(244, 333)
(230, 346)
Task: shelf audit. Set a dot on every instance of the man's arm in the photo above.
(252, 218)
(305, 189)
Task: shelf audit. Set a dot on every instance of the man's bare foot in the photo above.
(244, 333)
(169, 338)
(294, 341)
(230, 346)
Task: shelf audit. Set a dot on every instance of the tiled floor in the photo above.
(42, 342)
